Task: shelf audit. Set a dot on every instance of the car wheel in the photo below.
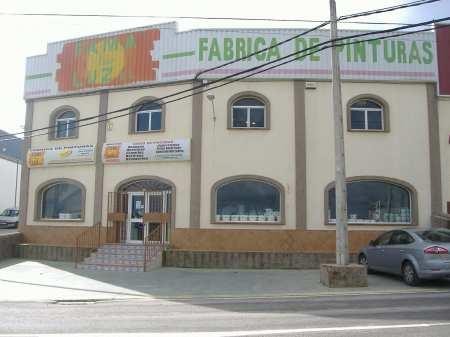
(362, 260)
(409, 274)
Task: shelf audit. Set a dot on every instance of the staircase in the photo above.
(124, 257)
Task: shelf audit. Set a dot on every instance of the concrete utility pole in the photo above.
(342, 257)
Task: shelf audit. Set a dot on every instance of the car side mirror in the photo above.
(371, 243)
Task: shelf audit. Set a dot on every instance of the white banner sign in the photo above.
(61, 155)
(168, 150)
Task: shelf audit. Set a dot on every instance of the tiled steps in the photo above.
(122, 257)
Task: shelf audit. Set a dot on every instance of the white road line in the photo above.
(237, 333)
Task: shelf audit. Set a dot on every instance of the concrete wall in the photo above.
(8, 173)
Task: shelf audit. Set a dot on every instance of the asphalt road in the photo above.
(419, 314)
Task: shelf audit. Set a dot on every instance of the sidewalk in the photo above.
(23, 280)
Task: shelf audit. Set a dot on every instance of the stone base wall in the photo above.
(48, 252)
(8, 243)
(247, 240)
(247, 260)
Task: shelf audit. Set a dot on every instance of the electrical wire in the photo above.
(232, 75)
(208, 86)
(93, 15)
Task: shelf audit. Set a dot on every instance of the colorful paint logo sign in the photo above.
(169, 150)
(162, 54)
(110, 61)
(61, 155)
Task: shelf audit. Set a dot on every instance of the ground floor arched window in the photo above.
(374, 201)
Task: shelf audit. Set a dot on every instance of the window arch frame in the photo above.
(376, 99)
(248, 94)
(132, 119)
(392, 181)
(246, 177)
(40, 190)
(54, 117)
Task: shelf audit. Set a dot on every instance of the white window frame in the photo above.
(366, 120)
(248, 110)
(67, 129)
(150, 113)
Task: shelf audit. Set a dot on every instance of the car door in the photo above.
(394, 252)
(375, 252)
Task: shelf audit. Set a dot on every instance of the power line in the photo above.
(256, 67)
(208, 88)
(93, 15)
(326, 45)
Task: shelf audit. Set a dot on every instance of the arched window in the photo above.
(65, 124)
(248, 113)
(374, 201)
(367, 114)
(147, 117)
(243, 200)
(62, 200)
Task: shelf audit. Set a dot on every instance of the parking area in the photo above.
(24, 280)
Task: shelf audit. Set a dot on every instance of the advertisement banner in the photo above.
(168, 150)
(160, 53)
(61, 155)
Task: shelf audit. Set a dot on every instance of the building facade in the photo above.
(10, 166)
(247, 166)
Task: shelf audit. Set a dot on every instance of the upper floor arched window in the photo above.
(248, 110)
(367, 114)
(148, 116)
(66, 124)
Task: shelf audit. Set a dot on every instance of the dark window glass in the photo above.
(248, 113)
(67, 114)
(374, 120)
(248, 201)
(156, 120)
(239, 117)
(401, 238)
(149, 106)
(436, 235)
(61, 129)
(142, 122)
(248, 102)
(62, 201)
(383, 239)
(358, 119)
(374, 201)
(256, 118)
(366, 103)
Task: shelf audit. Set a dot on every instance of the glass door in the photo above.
(136, 209)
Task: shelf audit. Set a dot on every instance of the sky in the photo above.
(22, 36)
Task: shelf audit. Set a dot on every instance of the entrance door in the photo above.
(136, 210)
(147, 202)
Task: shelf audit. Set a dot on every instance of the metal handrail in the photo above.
(90, 239)
(152, 247)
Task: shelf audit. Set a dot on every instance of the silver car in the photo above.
(412, 253)
(9, 218)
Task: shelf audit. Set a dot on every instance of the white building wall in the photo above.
(9, 172)
(444, 133)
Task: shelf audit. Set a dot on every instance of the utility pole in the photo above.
(342, 257)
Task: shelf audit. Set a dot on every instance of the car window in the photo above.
(383, 239)
(436, 235)
(401, 238)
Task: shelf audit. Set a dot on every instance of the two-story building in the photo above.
(247, 166)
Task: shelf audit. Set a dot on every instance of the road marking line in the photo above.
(236, 333)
